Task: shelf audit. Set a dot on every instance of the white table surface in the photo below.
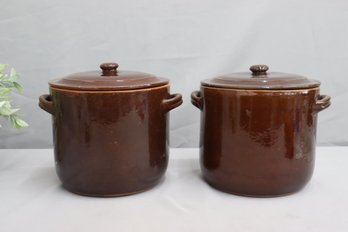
(32, 199)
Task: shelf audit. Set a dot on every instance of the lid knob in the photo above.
(109, 69)
(259, 69)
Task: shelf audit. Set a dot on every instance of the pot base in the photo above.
(108, 195)
(243, 194)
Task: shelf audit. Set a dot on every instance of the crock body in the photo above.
(257, 142)
(110, 143)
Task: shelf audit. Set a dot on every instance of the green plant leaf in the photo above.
(18, 87)
(8, 83)
(6, 109)
(13, 72)
(2, 103)
(3, 66)
(4, 91)
(13, 75)
(5, 104)
(18, 123)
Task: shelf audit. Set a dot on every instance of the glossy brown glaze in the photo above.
(259, 78)
(110, 130)
(258, 142)
(108, 78)
(110, 143)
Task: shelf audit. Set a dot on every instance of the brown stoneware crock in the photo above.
(258, 131)
(110, 130)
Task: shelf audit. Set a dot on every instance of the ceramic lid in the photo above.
(259, 78)
(108, 78)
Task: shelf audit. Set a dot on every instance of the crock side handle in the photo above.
(322, 103)
(173, 101)
(46, 103)
(197, 99)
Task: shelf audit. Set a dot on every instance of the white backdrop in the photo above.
(183, 40)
